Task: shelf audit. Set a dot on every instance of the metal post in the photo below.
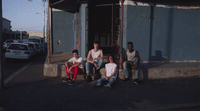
(1, 49)
(120, 60)
(49, 34)
(44, 26)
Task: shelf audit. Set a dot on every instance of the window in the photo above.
(9, 41)
(23, 47)
(14, 46)
(31, 46)
(34, 40)
(18, 47)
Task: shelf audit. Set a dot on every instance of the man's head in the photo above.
(130, 45)
(75, 53)
(96, 45)
(111, 58)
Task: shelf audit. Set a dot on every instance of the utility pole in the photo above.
(44, 26)
(121, 35)
(1, 50)
(21, 34)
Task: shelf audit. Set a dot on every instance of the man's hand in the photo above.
(66, 63)
(106, 78)
(135, 67)
(131, 63)
(93, 61)
(95, 65)
(69, 69)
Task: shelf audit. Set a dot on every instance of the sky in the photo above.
(22, 14)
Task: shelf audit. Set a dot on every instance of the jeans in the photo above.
(110, 81)
(88, 65)
(127, 66)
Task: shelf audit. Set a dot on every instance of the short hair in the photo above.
(75, 51)
(112, 57)
(131, 43)
(96, 42)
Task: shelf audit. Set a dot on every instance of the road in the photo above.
(14, 65)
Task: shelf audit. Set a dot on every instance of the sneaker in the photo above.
(96, 86)
(107, 87)
(89, 78)
(97, 71)
(136, 81)
(127, 79)
(67, 79)
(71, 83)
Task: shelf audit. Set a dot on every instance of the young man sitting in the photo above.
(132, 60)
(76, 67)
(97, 58)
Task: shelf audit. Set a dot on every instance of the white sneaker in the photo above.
(107, 86)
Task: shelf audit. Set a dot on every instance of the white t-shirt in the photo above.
(130, 55)
(110, 68)
(95, 54)
(80, 60)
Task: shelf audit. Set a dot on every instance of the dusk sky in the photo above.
(22, 14)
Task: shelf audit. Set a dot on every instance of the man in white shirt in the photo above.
(110, 73)
(132, 60)
(94, 58)
(76, 68)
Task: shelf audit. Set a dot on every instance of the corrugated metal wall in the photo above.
(63, 30)
(157, 32)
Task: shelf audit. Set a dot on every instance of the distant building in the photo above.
(20, 35)
(7, 32)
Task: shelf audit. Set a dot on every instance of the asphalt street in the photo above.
(13, 65)
(31, 91)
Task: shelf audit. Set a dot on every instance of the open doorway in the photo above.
(104, 26)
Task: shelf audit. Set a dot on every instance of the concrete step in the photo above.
(58, 70)
(122, 76)
(161, 71)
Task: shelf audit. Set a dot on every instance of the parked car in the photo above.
(9, 41)
(19, 51)
(4, 45)
(39, 48)
(37, 39)
(22, 40)
(32, 47)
